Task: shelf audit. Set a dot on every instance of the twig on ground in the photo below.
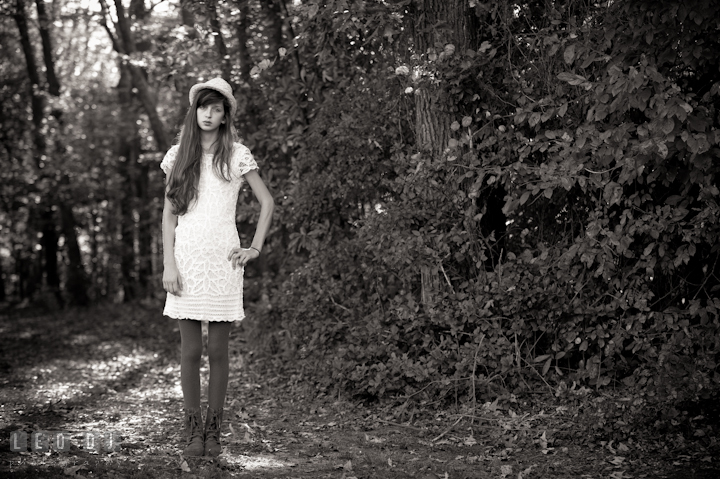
(339, 305)
(550, 388)
(400, 425)
(499, 419)
(448, 429)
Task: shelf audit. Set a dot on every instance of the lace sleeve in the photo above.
(167, 163)
(243, 160)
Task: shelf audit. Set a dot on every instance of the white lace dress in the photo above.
(212, 289)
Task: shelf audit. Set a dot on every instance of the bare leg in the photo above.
(190, 353)
(218, 336)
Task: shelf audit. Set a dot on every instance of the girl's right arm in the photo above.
(172, 283)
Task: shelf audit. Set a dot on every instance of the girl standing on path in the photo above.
(202, 257)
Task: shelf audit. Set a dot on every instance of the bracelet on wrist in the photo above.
(252, 247)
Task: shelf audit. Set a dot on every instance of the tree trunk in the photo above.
(272, 11)
(3, 295)
(461, 29)
(182, 85)
(76, 282)
(291, 34)
(47, 222)
(432, 120)
(437, 23)
(37, 103)
(145, 225)
(187, 17)
(129, 150)
(219, 40)
(124, 43)
(50, 248)
(242, 36)
(44, 22)
(76, 276)
(150, 105)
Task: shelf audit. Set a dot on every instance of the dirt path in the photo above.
(114, 368)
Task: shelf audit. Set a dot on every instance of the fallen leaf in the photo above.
(374, 439)
(543, 441)
(71, 471)
(184, 466)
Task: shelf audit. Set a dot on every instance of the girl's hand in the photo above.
(241, 256)
(172, 283)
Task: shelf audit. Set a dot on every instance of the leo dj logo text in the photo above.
(60, 441)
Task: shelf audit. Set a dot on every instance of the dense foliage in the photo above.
(597, 126)
(471, 195)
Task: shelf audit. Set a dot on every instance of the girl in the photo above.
(203, 260)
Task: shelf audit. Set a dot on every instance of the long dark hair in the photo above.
(182, 185)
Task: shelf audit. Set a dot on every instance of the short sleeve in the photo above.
(243, 160)
(167, 163)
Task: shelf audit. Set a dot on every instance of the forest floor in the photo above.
(114, 368)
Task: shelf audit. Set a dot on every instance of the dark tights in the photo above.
(191, 351)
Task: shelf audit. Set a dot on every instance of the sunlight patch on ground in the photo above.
(254, 463)
(59, 379)
(163, 391)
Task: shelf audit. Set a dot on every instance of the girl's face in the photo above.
(210, 116)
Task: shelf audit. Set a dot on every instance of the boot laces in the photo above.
(213, 429)
(194, 426)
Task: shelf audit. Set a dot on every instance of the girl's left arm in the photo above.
(267, 206)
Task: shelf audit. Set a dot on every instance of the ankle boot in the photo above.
(212, 432)
(193, 432)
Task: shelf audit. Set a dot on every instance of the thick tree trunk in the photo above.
(432, 111)
(460, 24)
(461, 29)
(432, 120)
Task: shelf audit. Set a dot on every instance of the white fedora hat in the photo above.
(219, 85)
